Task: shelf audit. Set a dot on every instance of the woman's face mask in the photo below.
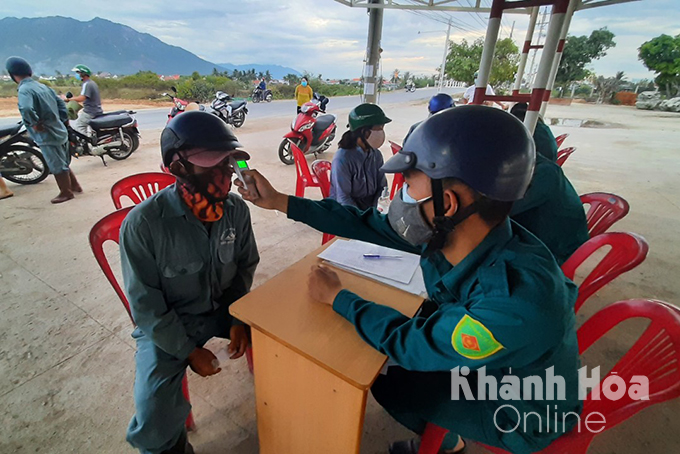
(376, 138)
(304, 83)
(406, 218)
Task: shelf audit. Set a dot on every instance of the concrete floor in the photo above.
(66, 356)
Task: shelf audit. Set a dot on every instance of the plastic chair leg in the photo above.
(432, 439)
(300, 188)
(190, 424)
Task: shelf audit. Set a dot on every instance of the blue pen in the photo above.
(378, 256)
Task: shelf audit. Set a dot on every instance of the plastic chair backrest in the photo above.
(655, 355)
(564, 154)
(305, 179)
(605, 209)
(322, 171)
(560, 139)
(140, 187)
(398, 180)
(108, 229)
(627, 251)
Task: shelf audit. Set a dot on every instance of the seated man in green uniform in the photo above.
(551, 209)
(498, 303)
(546, 145)
(187, 253)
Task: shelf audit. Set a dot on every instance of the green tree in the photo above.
(463, 59)
(292, 79)
(579, 51)
(195, 75)
(607, 87)
(662, 55)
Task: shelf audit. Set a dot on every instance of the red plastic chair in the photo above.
(322, 170)
(398, 180)
(305, 179)
(108, 229)
(560, 139)
(605, 209)
(627, 251)
(564, 154)
(655, 355)
(140, 187)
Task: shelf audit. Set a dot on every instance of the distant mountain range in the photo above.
(54, 44)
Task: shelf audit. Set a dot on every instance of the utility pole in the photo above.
(512, 29)
(442, 72)
(375, 22)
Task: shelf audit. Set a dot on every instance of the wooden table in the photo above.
(312, 370)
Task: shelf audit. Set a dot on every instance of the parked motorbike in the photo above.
(259, 95)
(311, 131)
(20, 159)
(180, 105)
(321, 101)
(232, 113)
(115, 135)
(410, 88)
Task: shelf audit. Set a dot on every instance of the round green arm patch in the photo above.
(473, 340)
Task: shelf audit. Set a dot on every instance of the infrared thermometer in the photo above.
(239, 166)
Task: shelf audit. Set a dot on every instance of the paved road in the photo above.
(156, 118)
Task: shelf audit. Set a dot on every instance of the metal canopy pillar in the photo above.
(371, 72)
(558, 56)
(525, 50)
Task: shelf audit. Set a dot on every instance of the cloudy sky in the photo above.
(323, 36)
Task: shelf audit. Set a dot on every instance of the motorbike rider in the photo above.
(90, 99)
(356, 178)
(437, 103)
(261, 88)
(45, 115)
(409, 82)
(498, 301)
(187, 253)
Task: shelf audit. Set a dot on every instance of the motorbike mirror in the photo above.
(173, 89)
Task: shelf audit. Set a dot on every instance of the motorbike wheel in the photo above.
(285, 153)
(132, 143)
(30, 157)
(256, 99)
(269, 97)
(239, 119)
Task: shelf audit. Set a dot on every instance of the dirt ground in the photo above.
(66, 356)
(8, 106)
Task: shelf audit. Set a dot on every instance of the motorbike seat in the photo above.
(116, 112)
(322, 123)
(9, 130)
(110, 121)
(236, 104)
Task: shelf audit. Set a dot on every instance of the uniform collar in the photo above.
(26, 80)
(174, 206)
(453, 277)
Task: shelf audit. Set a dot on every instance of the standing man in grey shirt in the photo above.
(92, 103)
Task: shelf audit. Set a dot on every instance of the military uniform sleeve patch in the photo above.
(473, 340)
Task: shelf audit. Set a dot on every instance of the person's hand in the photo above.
(202, 361)
(239, 341)
(323, 284)
(261, 192)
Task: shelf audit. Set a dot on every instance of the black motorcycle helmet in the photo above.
(17, 66)
(488, 149)
(196, 129)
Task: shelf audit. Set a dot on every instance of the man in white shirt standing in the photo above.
(469, 95)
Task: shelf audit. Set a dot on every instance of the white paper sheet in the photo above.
(415, 287)
(350, 254)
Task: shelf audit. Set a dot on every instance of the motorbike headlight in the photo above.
(306, 127)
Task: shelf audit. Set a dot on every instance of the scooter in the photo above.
(180, 105)
(260, 95)
(20, 159)
(410, 88)
(310, 131)
(114, 132)
(232, 113)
